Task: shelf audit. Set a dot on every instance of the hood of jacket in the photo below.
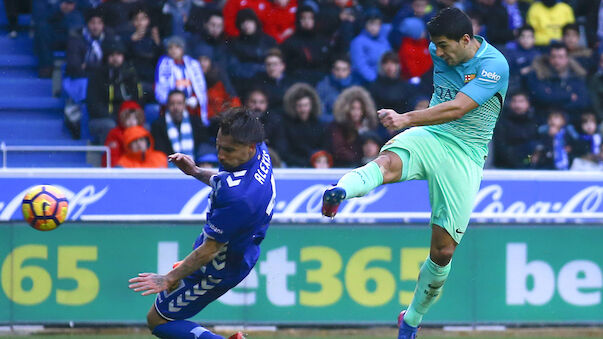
(297, 92)
(544, 71)
(344, 102)
(137, 132)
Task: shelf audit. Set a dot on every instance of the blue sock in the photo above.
(183, 329)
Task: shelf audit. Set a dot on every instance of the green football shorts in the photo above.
(452, 176)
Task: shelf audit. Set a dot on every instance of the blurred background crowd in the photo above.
(150, 77)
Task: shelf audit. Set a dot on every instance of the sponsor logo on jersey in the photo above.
(214, 228)
(490, 75)
(469, 77)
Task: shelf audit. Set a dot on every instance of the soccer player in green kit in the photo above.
(447, 146)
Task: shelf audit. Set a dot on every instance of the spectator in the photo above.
(220, 93)
(389, 90)
(212, 36)
(116, 14)
(520, 55)
(177, 12)
(53, 27)
(590, 10)
(274, 81)
(339, 21)
(589, 133)
(388, 8)
(177, 131)
(140, 151)
(414, 54)
(558, 80)
(586, 160)
(516, 134)
(582, 54)
(279, 22)
(496, 20)
(595, 87)
(179, 71)
(305, 132)
(552, 148)
(368, 47)
(130, 114)
(108, 88)
(321, 159)
(274, 134)
(417, 9)
(371, 146)
(332, 85)
(516, 10)
(231, 11)
(306, 51)
(84, 49)
(249, 49)
(354, 113)
(548, 17)
(143, 49)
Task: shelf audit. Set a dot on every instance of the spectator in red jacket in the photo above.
(130, 114)
(140, 151)
(279, 22)
(415, 60)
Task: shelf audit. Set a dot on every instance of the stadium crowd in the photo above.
(150, 77)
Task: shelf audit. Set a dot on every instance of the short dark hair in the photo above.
(176, 91)
(557, 45)
(520, 92)
(523, 28)
(243, 125)
(275, 52)
(389, 56)
(340, 57)
(94, 13)
(570, 27)
(255, 90)
(450, 23)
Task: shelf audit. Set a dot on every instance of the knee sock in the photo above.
(429, 285)
(361, 180)
(183, 329)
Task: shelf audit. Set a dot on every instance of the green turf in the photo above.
(141, 336)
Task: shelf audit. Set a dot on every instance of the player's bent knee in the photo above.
(154, 319)
(390, 166)
(441, 256)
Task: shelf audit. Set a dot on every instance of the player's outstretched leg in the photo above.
(184, 329)
(406, 331)
(353, 184)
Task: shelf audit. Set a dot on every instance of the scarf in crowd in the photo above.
(559, 153)
(594, 141)
(94, 55)
(182, 140)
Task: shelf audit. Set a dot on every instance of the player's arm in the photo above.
(187, 165)
(438, 114)
(149, 283)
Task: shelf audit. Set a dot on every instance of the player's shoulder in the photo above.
(492, 58)
(229, 186)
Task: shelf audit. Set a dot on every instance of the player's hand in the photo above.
(149, 283)
(392, 120)
(185, 163)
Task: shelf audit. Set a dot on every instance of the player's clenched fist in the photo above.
(391, 119)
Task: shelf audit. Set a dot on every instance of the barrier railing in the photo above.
(33, 148)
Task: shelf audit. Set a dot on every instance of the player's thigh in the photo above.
(190, 297)
(154, 319)
(418, 151)
(452, 191)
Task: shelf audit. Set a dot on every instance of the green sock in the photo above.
(429, 285)
(361, 180)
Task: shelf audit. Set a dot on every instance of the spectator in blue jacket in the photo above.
(520, 54)
(559, 81)
(332, 85)
(368, 47)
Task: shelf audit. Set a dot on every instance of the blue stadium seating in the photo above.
(29, 114)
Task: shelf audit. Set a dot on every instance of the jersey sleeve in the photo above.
(228, 215)
(492, 76)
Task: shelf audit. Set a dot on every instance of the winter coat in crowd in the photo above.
(148, 159)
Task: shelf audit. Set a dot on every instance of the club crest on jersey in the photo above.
(469, 77)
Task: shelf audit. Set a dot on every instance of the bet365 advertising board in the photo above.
(308, 273)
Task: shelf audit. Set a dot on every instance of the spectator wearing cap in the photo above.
(177, 70)
(220, 93)
(143, 47)
(274, 81)
(178, 131)
(130, 114)
(415, 60)
(354, 114)
(249, 49)
(307, 50)
(332, 85)
(368, 47)
(108, 88)
(140, 151)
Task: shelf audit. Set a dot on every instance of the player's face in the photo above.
(451, 51)
(232, 154)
